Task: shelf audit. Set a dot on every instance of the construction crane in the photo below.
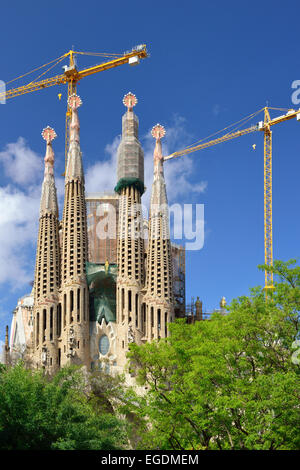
(265, 127)
(72, 76)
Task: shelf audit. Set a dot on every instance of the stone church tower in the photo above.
(74, 291)
(159, 283)
(61, 311)
(131, 268)
(47, 269)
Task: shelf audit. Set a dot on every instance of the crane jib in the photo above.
(265, 127)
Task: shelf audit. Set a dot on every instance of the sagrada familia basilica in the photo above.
(84, 312)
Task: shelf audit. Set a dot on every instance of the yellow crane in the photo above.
(265, 127)
(72, 76)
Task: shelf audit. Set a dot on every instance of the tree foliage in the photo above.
(38, 412)
(228, 382)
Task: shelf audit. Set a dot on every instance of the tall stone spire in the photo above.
(131, 269)
(47, 269)
(74, 169)
(74, 292)
(159, 199)
(159, 283)
(49, 198)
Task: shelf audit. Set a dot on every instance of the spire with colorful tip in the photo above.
(130, 153)
(159, 194)
(74, 169)
(49, 135)
(49, 197)
(158, 132)
(131, 252)
(129, 101)
(159, 280)
(75, 250)
(47, 267)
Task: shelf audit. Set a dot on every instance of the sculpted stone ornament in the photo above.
(130, 100)
(49, 134)
(44, 356)
(71, 336)
(71, 352)
(74, 101)
(130, 335)
(158, 132)
(72, 342)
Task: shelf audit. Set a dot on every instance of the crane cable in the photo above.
(100, 54)
(195, 144)
(46, 70)
(37, 68)
(59, 59)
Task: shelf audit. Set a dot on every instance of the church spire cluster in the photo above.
(63, 331)
(61, 319)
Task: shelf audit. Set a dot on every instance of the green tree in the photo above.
(228, 382)
(38, 412)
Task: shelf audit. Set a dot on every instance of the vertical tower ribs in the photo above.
(131, 271)
(159, 284)
(74, 292)
(47, 269)
(268, 235)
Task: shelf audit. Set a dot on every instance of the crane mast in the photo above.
(71, 73)
(268, 222)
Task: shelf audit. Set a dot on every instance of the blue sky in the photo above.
(211, 63)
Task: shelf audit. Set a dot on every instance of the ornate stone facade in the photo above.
(64, 329)
(61, 308)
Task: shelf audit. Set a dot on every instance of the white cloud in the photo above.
(19, 212)
(21, 164)
(19, 209)
(18, 231)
